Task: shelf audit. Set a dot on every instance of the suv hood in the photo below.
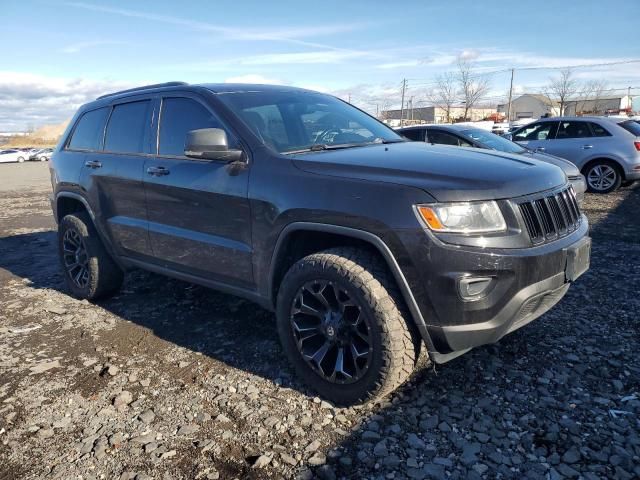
(446, 173)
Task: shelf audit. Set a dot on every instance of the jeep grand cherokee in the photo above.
(366, 246)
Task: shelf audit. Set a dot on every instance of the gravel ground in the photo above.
(171, 380)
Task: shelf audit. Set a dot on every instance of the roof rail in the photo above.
(146, 87)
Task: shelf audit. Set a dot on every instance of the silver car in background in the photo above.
(605, 149)
(463, 135)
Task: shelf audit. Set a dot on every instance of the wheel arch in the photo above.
(68, 202)
(282, 259)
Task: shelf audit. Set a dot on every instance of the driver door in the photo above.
(537, 135)
(198, 210)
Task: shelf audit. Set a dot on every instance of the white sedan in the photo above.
(13, 155)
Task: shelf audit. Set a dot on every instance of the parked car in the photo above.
(366, 246)
(606, 150)
(12, 155)
(500, 128)
(41, 155)
(465, 136)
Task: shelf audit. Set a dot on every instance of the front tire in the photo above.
(20, 159)
(89, 271)
(603, 176)
(342, 326)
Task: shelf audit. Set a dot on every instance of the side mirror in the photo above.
(210, 144)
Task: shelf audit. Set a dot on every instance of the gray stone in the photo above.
(122, 400)
(262, 461)
(147, 416)
(189, 429)
(325, 472)
(316, 459)
(571, 456)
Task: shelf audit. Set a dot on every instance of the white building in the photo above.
(530, 105)
(598, 106)
(434, 115)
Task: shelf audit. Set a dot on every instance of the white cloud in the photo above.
(255, 78)
(327, 56)
(402, 64)
(35, 100)
(285, 34)
(77, 47)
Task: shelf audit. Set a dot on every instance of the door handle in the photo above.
(587, 147)
(93, 164)
(540, 149)
(158, 171)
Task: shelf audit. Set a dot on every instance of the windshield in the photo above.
(305, 121)
(493, 141)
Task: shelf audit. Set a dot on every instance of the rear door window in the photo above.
(127, 131)
(89, 131)
(444, 138)
(573, 129)
(415, 134)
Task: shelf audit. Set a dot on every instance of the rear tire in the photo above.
(89, 271)
(363, 295)
(603, 176)
(20, 159)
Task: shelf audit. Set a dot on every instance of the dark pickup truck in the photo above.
(367, 247)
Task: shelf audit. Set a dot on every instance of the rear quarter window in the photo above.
(89, 130)
(631, 127)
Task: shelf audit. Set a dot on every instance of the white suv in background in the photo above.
(605, 149)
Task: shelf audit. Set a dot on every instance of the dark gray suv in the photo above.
(367, 247)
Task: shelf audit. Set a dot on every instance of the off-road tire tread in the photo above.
(366, 271)
(105, 276)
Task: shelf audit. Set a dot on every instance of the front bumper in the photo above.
(524, 284)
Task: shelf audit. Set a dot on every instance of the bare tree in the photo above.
(472, 88)
(564, 87)
(599, 89)
(444, 95)
(590, 96)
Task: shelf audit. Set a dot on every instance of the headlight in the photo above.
(466, 217)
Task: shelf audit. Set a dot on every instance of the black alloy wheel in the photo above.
(331, 331)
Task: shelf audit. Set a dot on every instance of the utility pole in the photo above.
(411, 103)
(404, 87)
(349, 97)
(510, 94)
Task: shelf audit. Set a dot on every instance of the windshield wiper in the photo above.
(318, 147)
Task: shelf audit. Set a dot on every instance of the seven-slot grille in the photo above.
(551, 217)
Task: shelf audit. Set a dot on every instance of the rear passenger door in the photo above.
(199, 217)
(112, 176)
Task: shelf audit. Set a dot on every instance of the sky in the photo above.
(57, 55)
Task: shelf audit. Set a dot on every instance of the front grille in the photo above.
(551, 217)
